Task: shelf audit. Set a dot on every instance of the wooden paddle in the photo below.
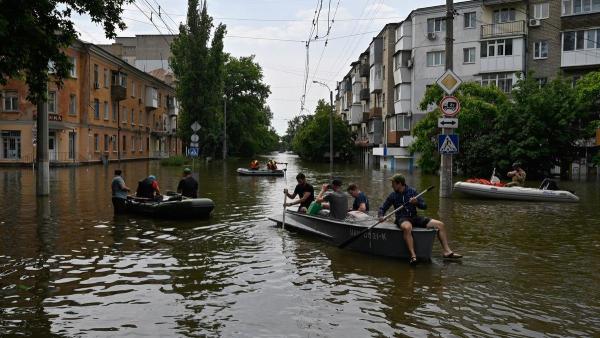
(355, 237)
(284, 207)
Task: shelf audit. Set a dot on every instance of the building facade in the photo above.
(106, 110)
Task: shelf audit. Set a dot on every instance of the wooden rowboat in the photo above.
(384, 240)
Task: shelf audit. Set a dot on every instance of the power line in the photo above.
(149, 18)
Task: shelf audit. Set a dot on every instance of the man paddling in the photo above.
(406, 218)
(305, 191)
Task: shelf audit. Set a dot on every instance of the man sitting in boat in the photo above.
(305, 191)
(406, 218)
(361, 202)
(272, 165)
(254, 165)
(336, 201)
(148, 188)
(518, 176)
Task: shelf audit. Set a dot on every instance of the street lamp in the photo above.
(225, 127)
(330, 127)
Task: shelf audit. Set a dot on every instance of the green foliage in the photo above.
(537, 126)
(200, 73)
(36, 32)
(311, 140)
(293, 127)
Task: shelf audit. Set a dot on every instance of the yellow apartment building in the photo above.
(106, 109)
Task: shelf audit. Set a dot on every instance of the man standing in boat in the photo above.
(337, 201)
(518, 176)
(305, 191)
(119, 192)
(188, 186)
(406, 218)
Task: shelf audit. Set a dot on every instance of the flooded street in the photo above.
(68, 267)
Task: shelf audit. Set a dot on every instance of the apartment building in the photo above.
(107, 109)
(580, 27)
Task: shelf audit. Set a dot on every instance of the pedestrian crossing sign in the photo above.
(448, 144)
(193, 152)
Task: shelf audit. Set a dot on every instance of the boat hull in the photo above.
(191, 208)
(386, 239)
(260, 172)
(515, 193)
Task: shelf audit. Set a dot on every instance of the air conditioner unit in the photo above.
(431, 35)
(96, 85)
(534, 22)
(409, 63)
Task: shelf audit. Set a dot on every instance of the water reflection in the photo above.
(69, 267)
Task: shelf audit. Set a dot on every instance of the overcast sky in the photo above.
(250, 23)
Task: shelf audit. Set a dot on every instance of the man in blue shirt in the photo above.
(406, 218)
(119, 192)
(361, 202)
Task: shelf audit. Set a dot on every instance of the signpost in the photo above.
(194, 149)
(448, 144)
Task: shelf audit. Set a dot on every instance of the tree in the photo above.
(199, 70)
(35, 34)
(248, 116)
(311, 140)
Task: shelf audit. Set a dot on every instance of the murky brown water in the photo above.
(69, 268)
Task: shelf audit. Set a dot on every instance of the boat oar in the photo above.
(355, 237)
(284, 207)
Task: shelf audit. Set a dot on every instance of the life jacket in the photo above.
(145, 189)
(272, 165)
(254, 164)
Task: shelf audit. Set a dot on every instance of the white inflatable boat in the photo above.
(515, 193)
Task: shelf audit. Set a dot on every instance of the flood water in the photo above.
(69, 268)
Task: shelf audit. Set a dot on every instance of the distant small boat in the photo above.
(171, 207)
(386, 239)
(515, 193)
(260, 172)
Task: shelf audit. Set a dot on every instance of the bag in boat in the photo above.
(314, 208)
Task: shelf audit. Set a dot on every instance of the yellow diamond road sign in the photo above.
(449, 82)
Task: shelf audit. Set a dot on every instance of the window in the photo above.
(114, 143)
(580, 6)
(96, 142)
(541, 11)
(11, 101)
(593, 38)
(132, 89)
(115, 110)
(399, 123)
(504, 15)
(124, 114)
(52, 102)
(73, 70)
(436, 59)
(132, 117)
(106, 78)
(124, 145)
(72, 104)
(501, 80)
(132, 143)
(140, 118)
(72, 145)
(541, 81)
(96, 83)
(96, 109)
(469, 55)
(501, 47)
(470, 20)
(11, 144)
(106, 112)
(436, 25)
(540, 50)
(574, 40)
(141, 144)
(106, 141)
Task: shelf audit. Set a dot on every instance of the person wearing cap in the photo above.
(518, 176)
(188, 186)
(148, 188)
(361, 202)
(119, 192)
(407, 218)
(336, 201)
(305, 191)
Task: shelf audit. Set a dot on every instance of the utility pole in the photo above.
(446, 165)
(330, 127)
(42, 158)
(225, 127)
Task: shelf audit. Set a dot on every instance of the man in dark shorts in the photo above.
(305, 191)
(406, 218)
(188, 186)
(119, 192)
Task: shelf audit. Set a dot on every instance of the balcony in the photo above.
(172, 106)
(151, 98)
(503, 29)
(118, 92)
(356, 114)
(402, 106)
(364, 70)
(579, 58)
(376, 78)
(365, 94)
(402, 75)
(375, 112)
(404, 43)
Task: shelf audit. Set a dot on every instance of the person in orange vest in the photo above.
(272, 165)
(254, 165)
